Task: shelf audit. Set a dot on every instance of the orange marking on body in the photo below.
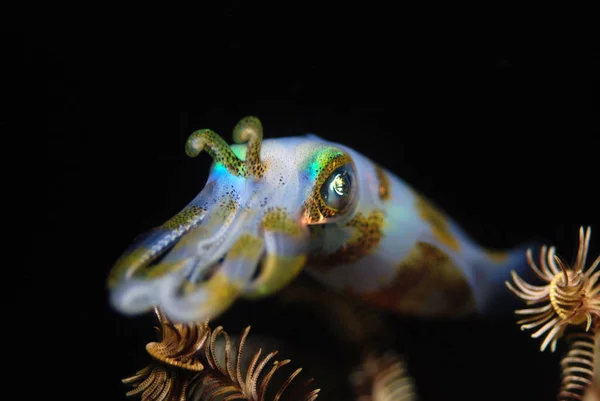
(384, 183)
(367, 233)
(425, 271)
(497, 256)
(438, 223)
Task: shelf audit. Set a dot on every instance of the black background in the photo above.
(499, 128)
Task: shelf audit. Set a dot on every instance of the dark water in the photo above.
(497, 132)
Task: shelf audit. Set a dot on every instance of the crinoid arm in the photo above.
(593, 391)
(189, 363)
(176, 360)
(383, 378)
(570, 295)
(365, 335)
(579, 366)
(569, 299)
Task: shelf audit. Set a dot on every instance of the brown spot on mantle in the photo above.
(425, 271)
(438, 223)
(384, 183)
(367, 233)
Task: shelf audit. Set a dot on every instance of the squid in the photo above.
(274, 208)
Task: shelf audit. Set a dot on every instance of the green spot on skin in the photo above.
(322, 159)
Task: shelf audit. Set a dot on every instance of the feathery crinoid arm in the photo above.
(571, 295)
(190, 363)
(579, 368)
(364, 335)
(569, 298)
(383, 378)
(593, 391)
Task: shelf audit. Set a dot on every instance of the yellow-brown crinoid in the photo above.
(176, 360)
(191, 364)
(383, 378)
(571, 295)
(579, 368)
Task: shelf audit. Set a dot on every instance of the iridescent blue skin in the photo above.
(196, 265)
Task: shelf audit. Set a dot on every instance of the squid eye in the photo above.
(338, 190)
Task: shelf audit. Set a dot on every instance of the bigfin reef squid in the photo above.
(272, 208)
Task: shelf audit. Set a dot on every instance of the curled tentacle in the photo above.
(217, 148)
(249, 129)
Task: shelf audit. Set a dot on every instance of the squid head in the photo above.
(246, 234)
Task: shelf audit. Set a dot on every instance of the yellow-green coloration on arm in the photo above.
(183, 218)
(161, 269)
(249, 129)
(247, 247)
(277, 272)
(129, 265)
(134, 263)
(366, 235)
(426, 281)
(245, 251)
(438, 222)
(224, 215)
(316, 210)
(221, 291)
(282, 264)
(217, 148)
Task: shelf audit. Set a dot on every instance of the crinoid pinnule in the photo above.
(160, 382)
(571, 295)
(579, 365)
(593, 391)
(230, 376)
(176, 360)
(179, 343)
(383, 378)
(188, 365)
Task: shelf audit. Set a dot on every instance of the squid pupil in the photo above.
(339, 184)
(336, 190)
